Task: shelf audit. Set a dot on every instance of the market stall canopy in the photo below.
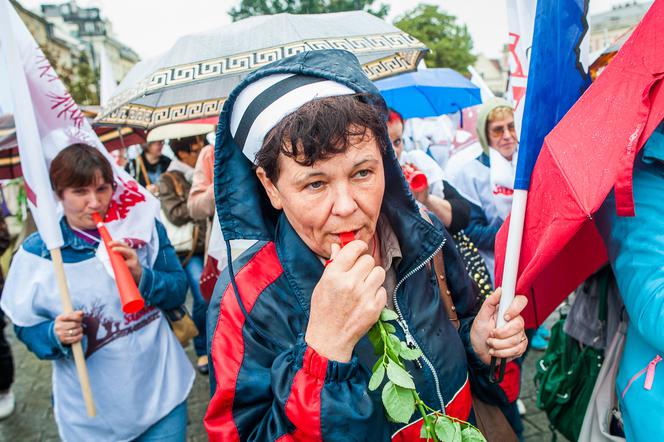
(10, 163)
(179, 130)
(193, 79)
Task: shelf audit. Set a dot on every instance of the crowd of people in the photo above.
(306, 154)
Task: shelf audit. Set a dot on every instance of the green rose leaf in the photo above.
(394, 344)
(409, 354)
(377, 377)
(399, 376)
(375, 366)
(424, 434)
(388, 315)
(376, 339)
(389, 327)
(472, 434)
(447, 430)
(398, 402)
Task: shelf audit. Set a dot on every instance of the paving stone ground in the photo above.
(33, 418)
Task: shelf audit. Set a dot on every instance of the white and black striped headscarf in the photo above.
(264, 103)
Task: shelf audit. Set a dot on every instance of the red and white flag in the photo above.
(521, 23)
(47, 120)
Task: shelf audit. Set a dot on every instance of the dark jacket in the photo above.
(460, 208)
(266, 383)
(153, 170)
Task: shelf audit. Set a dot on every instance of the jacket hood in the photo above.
(483, 115)
(243, 207)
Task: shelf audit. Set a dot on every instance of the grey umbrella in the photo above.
(192, 80)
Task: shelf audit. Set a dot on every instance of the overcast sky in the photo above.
(150, 27)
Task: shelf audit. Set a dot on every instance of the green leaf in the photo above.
(388, 315)
(375, 366)
(389, 327)
(409, 354)
(447, 430)
(424, 434)
(377, 377)
(398, 402)
(399, 376)
(376, 339)
(394, 344)
(472, 434)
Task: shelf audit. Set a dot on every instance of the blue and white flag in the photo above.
(557, 76)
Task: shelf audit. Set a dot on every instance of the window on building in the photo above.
(89, 27)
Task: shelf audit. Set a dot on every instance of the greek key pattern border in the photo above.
(249, 61)
(148, 118)
(145, 117)
(245, 62)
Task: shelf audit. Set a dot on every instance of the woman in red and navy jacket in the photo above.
(302, 155)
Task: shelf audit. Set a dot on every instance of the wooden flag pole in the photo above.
(77, 349)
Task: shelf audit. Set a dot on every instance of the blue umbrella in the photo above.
(429, 92)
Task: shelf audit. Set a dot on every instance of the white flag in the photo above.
(521, 24)
(478, 81)
(48, 120)
(107, 82)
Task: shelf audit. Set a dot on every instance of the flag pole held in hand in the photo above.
(129, 295)
(77, 348)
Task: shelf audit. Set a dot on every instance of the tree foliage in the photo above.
(250, 8)
(83, 84)
(81, 80)
(450, 43)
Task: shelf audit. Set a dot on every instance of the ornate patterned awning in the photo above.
(395, 53)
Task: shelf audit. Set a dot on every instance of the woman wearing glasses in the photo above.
(487, 181)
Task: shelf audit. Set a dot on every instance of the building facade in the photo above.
(96, 33)
(492, 72)
(609, 26)
(61, 48)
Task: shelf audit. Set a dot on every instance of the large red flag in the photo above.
(590, 151)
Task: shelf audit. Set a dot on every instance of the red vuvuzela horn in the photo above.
(417, 180)
(129, 296)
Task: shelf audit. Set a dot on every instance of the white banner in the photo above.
(107, 82)
(521, 24)
(48, 120)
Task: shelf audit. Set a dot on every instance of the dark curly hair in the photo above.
(321, 129)
(76, 166)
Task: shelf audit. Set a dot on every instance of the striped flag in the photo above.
(520, 21)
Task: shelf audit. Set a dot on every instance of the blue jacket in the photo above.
(163, 286)
(636, 252)
(266, 383)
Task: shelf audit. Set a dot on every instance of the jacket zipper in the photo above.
(410, 340)
(650, 375)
